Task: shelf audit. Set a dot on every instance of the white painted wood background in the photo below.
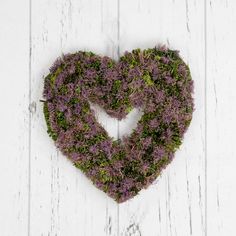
(42, 194)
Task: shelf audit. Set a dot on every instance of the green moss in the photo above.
(131, 60)
(101, 160)
(100, 80)
(84, 166)
(133, 63)
(115, 103)
(82, 149)
(63, 90)
(111, 64)
(96, 65)
(147, 53)
(78, 90)
(116, 86)
(79, 69)
(129, 109)
(148, 80)
(61, 120)
(89, 54)
(163, 162)
(157, 57)
(86, 108)
(100, 137)
(130, 170)
(136, 51)
(95, 139)
(86, 127)
(104, 176)
(120, 155)
(50, 132)
(74, 101)
(54, 76)
(148, 117)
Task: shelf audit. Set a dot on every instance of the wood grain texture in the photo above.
(221, 109)
(14, 117)
(42, 194)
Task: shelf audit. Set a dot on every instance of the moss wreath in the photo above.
(155, 80)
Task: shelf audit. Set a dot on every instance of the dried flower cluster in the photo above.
(155, 80)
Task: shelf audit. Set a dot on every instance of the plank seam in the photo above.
(29, 98)
(118, 125)
(205, 39)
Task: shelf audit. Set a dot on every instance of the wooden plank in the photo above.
(62, 199)
(175, 205)
(221, 109)
(14, 119)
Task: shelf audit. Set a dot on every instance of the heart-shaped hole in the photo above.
(117, 130)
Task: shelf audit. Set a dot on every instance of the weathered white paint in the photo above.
(42, 193)
(14, 117)
(221, 109)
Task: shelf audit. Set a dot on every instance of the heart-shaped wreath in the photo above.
(156, 80)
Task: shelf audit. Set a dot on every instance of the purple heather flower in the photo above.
(163, 48)
(146, 143)
(69, 115)
(182, 70)
(75, 156)
(165, 60)
(127, 183)
(90, 74)
(71, 69)
(94, 149)
(106, 147)
(134, 73)
(145, 167)
(158, 153)
(154, 123)
(77, 109)
(169, 79)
